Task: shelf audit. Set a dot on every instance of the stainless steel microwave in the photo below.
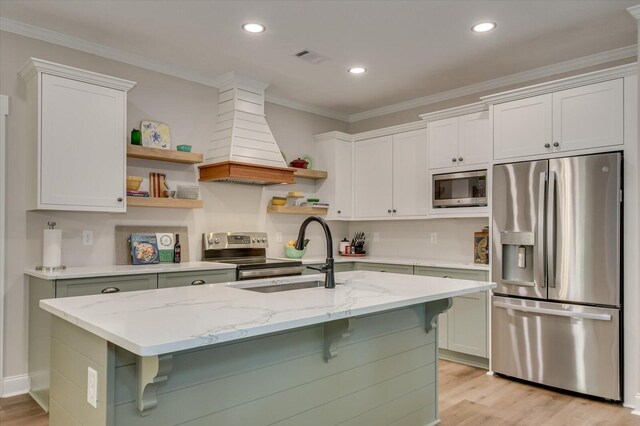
(464, 189)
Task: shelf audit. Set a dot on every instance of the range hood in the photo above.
(243, 150)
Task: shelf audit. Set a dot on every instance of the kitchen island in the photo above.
(362, 353)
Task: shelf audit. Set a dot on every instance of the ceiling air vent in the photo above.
(311, 57)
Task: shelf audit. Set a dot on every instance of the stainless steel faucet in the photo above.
(327, 268)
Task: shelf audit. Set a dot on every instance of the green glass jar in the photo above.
(136, 137)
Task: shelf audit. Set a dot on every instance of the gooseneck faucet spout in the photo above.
(327, 268)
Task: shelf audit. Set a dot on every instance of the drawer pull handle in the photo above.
(109, 290)
(197, 282)
(446, 276)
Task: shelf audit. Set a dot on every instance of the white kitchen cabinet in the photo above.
(335, 155)
(460, 141)
(391, 175)
(585, 117)
(589, 116)
(373, 177)
(523, 127)
(77, 137)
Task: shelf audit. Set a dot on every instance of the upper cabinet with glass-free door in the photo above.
(77, 138)
(585, 117)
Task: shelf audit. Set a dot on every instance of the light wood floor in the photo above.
(468, 397)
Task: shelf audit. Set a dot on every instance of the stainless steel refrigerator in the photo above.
(556, 259)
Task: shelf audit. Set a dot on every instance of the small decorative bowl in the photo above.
(278, 202)
(133, 183)
(184, 148)
(292, 253)
(169, 193)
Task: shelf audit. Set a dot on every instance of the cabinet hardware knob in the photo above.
(339, 211)
(389, 211)
(556, 144)
(460, 158)
(197, 282)
(546, 145)
(454, 159)
(446, 276)
(110, 290)
(395, 211)
(119, 199)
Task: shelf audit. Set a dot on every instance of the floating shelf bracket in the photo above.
(433, 309)
(152, 372)
(333, 332)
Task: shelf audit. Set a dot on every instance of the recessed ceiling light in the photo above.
(252, 27)
(483, 27)
(357, 70)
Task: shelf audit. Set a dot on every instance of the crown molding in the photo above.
(392, 130)
(455, 112)
(333, 135)
(634, 11)
(562, 84)
(35, 65)
(496, 83)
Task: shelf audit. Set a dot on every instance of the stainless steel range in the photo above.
(247, 250)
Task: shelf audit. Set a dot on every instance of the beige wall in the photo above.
(191, 111)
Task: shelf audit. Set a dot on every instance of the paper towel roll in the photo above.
(52, 248)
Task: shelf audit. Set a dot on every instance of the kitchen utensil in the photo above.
(184, 148)
(299, 163)
(133, 183)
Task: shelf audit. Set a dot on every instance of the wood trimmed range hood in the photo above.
(243, 149)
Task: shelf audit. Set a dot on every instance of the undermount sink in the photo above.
(276, 288)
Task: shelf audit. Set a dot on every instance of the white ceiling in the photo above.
(411, 48)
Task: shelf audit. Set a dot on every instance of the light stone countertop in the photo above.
(399, 261)
(155, 322)
(115, 270)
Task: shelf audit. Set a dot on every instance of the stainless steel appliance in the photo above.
(556, 311)
(463, 189)
(247, 250)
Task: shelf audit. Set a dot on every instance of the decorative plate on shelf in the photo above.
(155, 134)
(309, 160)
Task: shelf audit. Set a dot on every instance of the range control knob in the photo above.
(217, 241)
(264, 239)
(253, 240)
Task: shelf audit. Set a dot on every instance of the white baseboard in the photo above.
(637, 407)
(15, 385)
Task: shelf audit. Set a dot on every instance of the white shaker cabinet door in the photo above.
(343, 185)
(82, 155)
(522, 128)
(373, 177)
(474, 139)
(410, 174)
(467, 324)
(589, 116)
(443, 143)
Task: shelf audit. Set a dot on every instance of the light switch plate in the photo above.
(376, 237)
(92, 387)
(434, 238)
(87, 238)
(278, 237)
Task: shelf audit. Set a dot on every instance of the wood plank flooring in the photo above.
(468, 397)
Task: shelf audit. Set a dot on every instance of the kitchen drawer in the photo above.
(179, 279)
(462, 274)
(88, 286)
(385, 267)
(344, 267)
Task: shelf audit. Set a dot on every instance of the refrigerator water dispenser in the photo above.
(517, 257)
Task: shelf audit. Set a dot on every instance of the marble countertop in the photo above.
(400, 261)
(155, 322)
(114, 270)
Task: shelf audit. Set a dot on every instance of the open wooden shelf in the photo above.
(296, 210)
(136, 151)
(172, 203)
(310, 174)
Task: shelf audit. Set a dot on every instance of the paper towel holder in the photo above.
(51, 225)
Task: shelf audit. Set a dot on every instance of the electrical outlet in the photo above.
(92, 387)
(434, 238)
(376, 237)
(87, 238)
(278, 237)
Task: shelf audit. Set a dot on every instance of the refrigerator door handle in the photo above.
(551, 230)
(554, 312)
(539, 262)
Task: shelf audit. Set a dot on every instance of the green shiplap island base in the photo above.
(378, 369)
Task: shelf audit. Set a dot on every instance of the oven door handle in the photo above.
(270, 272)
